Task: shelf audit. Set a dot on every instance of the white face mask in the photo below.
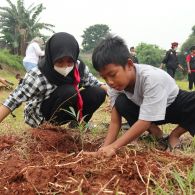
(63, 70)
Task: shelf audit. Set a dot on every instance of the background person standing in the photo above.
(171, 60)
(33, 52)
(190, 60)
(133, 55)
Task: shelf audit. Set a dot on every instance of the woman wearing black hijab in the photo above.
(50, 89)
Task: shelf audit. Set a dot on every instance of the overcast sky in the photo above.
(157, 22)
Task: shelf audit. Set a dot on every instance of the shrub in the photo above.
(10, 60)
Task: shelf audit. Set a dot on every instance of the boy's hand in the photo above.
(106, 151)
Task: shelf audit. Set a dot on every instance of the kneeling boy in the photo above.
(144, 95)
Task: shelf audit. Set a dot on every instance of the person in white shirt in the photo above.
(33, 52)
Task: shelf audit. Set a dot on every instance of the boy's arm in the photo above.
(113, 128)
(134, 132)
(4, 111)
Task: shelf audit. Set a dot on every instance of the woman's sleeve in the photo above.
(26, 90)
(89, 79)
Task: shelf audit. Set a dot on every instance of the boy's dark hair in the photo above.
(111, 50)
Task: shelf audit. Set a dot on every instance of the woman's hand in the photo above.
(3, 81)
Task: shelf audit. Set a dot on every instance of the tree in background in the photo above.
(93, 35)
(19, 25)
(189, 42)
(149, 54)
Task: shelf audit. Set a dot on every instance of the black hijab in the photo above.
(58, 46)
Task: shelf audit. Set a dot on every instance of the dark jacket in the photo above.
(171, 59)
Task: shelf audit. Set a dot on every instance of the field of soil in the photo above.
(50, 161)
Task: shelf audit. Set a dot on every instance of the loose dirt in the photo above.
(49, 161)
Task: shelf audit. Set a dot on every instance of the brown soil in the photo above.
(49, 162)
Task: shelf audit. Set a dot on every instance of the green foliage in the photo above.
(86, 57)
(93, 35)
(13, 61)
(80, 123)
(186, 183)
(180, 183)
(19, 25)
(189, 42)
(149, 54)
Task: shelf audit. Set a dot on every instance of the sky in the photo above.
(157, 22)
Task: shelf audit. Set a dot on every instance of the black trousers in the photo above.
(171, 71)
(191, 78)
(130, 111)
(181, 111)
(56, 109)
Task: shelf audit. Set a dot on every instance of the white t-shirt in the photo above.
(154, 91)
(33, 52)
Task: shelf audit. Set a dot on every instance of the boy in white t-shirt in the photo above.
(144, 95)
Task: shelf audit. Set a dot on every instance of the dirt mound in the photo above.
(55, 139)
(49, 162)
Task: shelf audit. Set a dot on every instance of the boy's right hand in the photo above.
(103, 152)
(106, 151)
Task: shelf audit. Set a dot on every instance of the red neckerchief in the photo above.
(79, 100)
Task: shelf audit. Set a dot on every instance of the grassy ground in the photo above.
(11, 124)
(16, 124)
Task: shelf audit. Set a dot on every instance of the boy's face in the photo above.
(119, 77)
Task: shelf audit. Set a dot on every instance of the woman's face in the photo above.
(64, 62)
